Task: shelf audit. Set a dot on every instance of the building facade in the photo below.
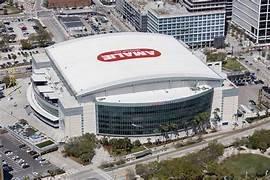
(196, 23)
(252, 17)
(130, 12)
(196, 31)
(129, 92)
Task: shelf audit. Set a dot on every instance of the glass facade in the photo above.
(194, 30)
(146, 120)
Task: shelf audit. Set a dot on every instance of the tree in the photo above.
(120, 145)
(5, 12)
(13, 56)
(173, 128)
(130, 175)
(164, 129)
(9, 81)
(137, 143)
(42, 38)
(216, 118)
(26, 44)
(82, 147)
(268, 56)
(104, 141)
(263, 53)
(260, 140)
(142, 170)
(200, 122)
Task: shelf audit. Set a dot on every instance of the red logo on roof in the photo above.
(126, 54)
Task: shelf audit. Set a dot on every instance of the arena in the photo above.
(125, 84)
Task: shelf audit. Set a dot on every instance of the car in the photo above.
(25, 165)
(20, 161)
(15, 158)
(35, 156)
(1, 145)
(32, 153)
(7, 23)
(250, 64)
(35, 173)
(8, 152)
(28, 150)
(252, 102)
(22, 145)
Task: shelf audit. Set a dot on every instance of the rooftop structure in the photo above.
(123, 84)
(175, 61)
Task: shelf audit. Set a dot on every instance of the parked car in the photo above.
(8, 152)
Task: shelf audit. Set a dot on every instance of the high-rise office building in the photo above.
(197, 23)
(253, 17)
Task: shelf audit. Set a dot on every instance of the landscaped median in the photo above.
(44, 144)
(229, 63)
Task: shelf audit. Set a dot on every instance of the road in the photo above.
(38, 5)
(53, 25)
(89, 174)
(225, 138)
(249, 60)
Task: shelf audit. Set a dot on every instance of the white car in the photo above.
(15, 158)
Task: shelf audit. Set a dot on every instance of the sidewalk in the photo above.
(9, 113)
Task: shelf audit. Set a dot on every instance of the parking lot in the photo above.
(20, 160)
(84, 25)
(20, 28)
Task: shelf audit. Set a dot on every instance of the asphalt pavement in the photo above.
(11, 143)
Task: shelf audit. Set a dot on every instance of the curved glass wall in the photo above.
(148, 120)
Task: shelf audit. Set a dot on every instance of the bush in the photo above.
(26, 44)
(137, 143)
(119, 162)
(82, 147)
(106, 165)
(10, 82)
(260, 140)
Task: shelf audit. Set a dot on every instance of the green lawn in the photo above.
(251, 163)
(44, 144)
(233, 64)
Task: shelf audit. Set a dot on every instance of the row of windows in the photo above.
(192, 18)
(116, 120)
(190, 25)
(193, 30)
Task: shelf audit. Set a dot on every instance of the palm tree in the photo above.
(216, 118)
(164, 129)
(204, 117)
(174, 129)
(196, 124)
(200, 121)
(186, 129)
